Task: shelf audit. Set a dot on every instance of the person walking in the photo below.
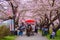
(33, 29)
(52, 35)
(43, 30)
(21, 28)
(28, 30)
(36, 29)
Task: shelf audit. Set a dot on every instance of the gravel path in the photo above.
(35, 37)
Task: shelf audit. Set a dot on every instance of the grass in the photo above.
(9, 38)
(57, 37)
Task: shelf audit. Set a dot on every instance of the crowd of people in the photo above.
(30, 29)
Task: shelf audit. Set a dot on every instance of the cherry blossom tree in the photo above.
(46, 10)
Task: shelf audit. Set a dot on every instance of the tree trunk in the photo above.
(14, 10)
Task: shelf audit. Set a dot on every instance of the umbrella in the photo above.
(30, 21)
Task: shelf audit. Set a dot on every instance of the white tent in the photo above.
(9, 24)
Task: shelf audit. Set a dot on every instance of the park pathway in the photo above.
(35, 37)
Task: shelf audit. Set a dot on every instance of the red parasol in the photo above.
(30, 21)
